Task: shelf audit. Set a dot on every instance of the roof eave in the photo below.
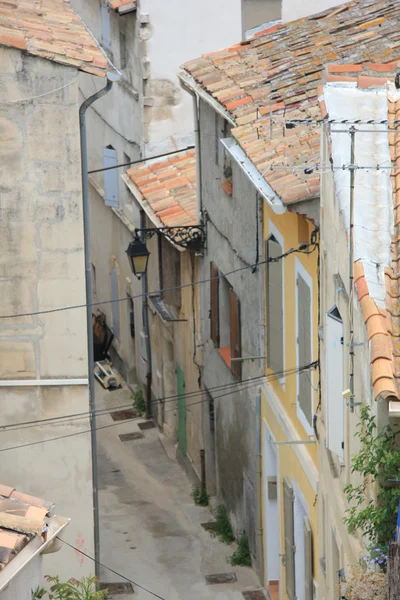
(187, 81)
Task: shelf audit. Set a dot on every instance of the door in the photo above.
(334, 382)
(271, 509)
(180, 384)
(290, 549)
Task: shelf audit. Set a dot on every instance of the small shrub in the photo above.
(241, 556)
(222, 527)
(139, 403)
(72, 589)
(200, 498)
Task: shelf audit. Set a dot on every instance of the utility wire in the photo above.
(271, 377)
(110, 569)
(141, 160)
(301, 250)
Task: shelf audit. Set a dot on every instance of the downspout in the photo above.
(196, 111)
(88, 272)
(259, 527)
(351, 267)
(145, 317)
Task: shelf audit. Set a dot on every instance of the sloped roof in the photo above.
(50, 29)
(168, 187)
(122, 5)
(278, 73)
(22, 517)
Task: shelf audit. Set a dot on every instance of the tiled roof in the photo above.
(168, 186)
(22, 517)
(50, 29)
(121, 4)
(278, 72)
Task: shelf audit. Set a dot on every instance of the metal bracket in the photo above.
(355, 344)
(187, 236)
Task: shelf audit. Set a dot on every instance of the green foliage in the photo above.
(378, 460)
(200, 498)
(70, 590)
(222, 527)
(241, 556)
(139, 402)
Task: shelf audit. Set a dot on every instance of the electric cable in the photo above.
(110, 569)
(302, 249)
(69, 435)
(141, 160)
(53, 91)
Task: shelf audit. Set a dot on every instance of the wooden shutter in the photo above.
(304, 346)
(214, 304)
(275, 300)
(236, 366)
(110, 177)
(288, 518)
(308, 560)
(334, 382)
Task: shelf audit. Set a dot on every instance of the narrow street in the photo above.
(150, 529)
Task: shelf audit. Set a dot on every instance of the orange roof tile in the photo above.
(169, 188)
(22, 517)
(50, 29)
(280, 71)
(120, 4)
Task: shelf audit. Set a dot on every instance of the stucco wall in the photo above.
(42, 268)
(296, 9)
(231, 244)
(28, 579)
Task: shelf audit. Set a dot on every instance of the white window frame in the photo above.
(273, 231)
(301, 270)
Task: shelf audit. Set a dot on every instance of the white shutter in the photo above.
(110, 177)
(304, 392)
(308, 560)
(105, 26)
(334, 382)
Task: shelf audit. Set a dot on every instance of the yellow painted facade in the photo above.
(281, 420)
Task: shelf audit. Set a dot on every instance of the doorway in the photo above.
(180, 384)
(271, 514)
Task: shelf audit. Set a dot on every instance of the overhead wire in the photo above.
(302, 249)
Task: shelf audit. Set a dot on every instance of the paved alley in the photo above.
(149, 526)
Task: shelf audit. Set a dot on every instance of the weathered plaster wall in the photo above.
(231, 244)
(257, 12)
(296, 9)
(42, 268)
(28, 579)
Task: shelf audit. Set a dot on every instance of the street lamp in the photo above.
(138, 256)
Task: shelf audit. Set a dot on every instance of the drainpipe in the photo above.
(196, 113)
(88, 272)
(351, 267)
(259, 528)
(145, 317)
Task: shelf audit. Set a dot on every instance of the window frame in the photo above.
(305, 275)
(274, 232)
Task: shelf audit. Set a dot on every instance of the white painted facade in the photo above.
(297, 9)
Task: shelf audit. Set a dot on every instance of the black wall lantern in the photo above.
(138, 256)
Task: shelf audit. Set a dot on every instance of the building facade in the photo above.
(44, 367)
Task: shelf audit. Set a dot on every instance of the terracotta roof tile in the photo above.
(169, 188)
(22, 517)
(284, 66)
(121, 4)
(50, 29)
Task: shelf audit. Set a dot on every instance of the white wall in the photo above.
(28, 579)
(296, 9)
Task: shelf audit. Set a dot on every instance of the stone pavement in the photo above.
(149, 527)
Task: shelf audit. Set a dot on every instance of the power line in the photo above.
(111, 570)
(141, 160)
(271, 377)
(301, 250)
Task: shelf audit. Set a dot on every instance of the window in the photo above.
(132, 316)
(105, 26)
(94, 281)
(170, 273)
(115, 304)
(275, 306)
(334, 382)
(225, 321)
(122, 50)
(110, 177)
(211, 411)
(304, 351)
(288, 521)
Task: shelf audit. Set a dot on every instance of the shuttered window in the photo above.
(110, 177)
(304, 347)
(105, 26)
(214, 304)
(236, 366)
(288, 519)
(334, 382)
(115, 304)
(308, 560)
(274, 297)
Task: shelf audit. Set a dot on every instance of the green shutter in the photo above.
(308, 560)
(288, 519)
(304, 345)
(275, 301)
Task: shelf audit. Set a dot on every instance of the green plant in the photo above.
(72, 589)
(200, 498)
(379, 461)
(139, 402)
(241, 556)
(222, 527)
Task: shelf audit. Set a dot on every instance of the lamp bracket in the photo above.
(192, 237)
